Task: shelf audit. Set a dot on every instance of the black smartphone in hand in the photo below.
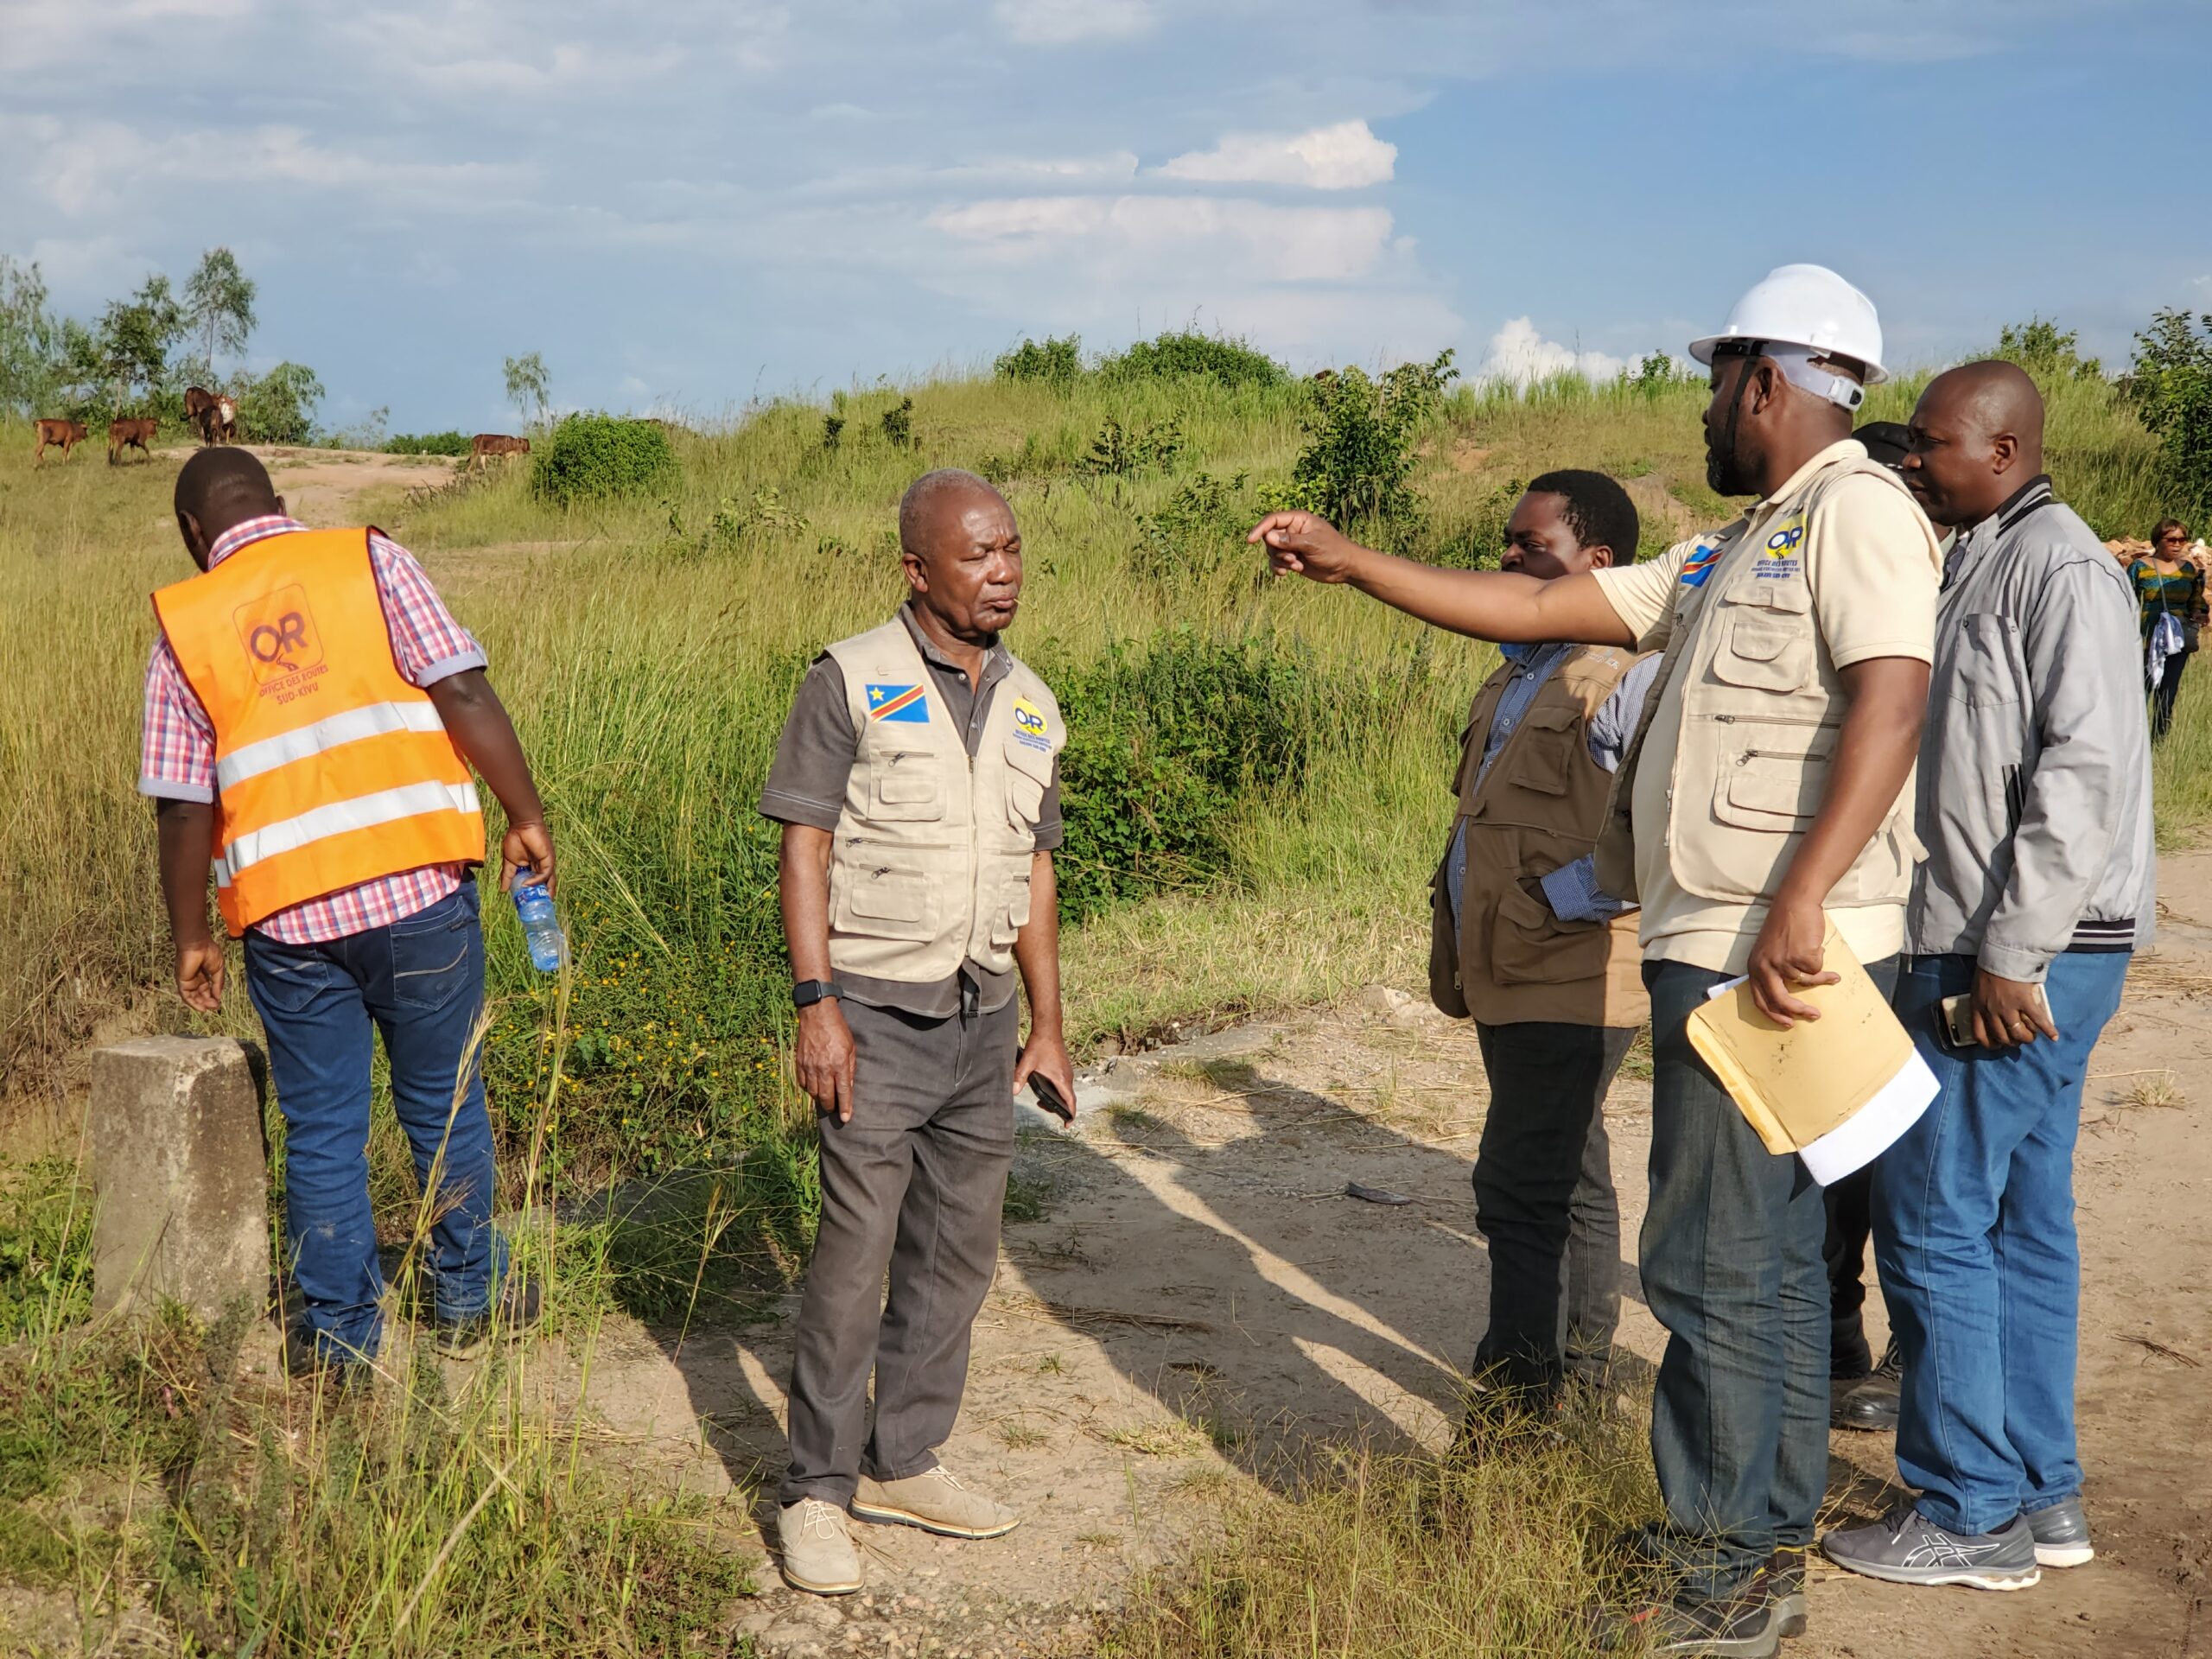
(1049, 1097)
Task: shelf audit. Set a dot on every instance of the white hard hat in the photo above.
(1808, 306)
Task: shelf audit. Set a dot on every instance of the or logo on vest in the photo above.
(281, 641)
(1030, 726)
(1779, 555)
(1699, 565)
(908, 704)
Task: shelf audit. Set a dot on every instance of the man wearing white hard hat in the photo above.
(1767, 793)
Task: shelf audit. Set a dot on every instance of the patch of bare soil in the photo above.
(321, 486)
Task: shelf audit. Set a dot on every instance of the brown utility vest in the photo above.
(1539, 807)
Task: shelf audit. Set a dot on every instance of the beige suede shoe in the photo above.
(936, 1502)
(818, 1549)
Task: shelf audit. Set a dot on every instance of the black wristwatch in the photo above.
(808, 992)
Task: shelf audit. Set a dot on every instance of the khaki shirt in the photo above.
(1869, 559)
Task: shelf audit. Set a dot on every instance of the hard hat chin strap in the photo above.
(1799, 369)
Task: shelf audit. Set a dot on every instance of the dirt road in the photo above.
(1198, 1298)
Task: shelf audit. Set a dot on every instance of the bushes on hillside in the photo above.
(1187, 354)
(1357, 469)
(601, 457)
(1162, 744)
(2170, 384)
(427, 443)
(1056, 362)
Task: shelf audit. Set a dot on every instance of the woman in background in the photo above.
(2168, 584)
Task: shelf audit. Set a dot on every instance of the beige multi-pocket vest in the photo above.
(1761, 707)
(1537, 809)
(929, 864)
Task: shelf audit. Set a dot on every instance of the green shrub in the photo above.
(1357, 468)
(427, 443)
(899, 424)
(2170, 384)
(1123, 452)
(279, 407)
(601, 457)
(1055, 362)
(2046, 351)
(1195, 531)
(1187, 354)
(1162, 745)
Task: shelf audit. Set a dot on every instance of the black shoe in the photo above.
(1871, 1405)
(307, 1361)
(1744, 1626)
(516, 1309)
(1783, 1578)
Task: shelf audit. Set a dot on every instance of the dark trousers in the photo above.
(1544, 1203)
(2168, 688)
(1732, 1270)
(419, 984)
(913, 1185)
(1843, 1255)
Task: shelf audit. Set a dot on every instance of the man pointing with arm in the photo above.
(1765, 794)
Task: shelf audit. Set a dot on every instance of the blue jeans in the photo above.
(421, 982)
(1732, 1268)
(1974, 1236)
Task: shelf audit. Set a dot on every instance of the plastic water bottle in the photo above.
(539, 925)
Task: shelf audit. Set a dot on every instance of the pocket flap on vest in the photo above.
(888, 895)
(1763, 786)
(1774, 594)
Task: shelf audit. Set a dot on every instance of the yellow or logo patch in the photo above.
(280, 637)
(1786, 537)
(1030, 724)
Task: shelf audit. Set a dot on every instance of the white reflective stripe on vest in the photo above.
(373, 720)
(362, 812)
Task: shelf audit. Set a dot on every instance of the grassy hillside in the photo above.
(1256, 786)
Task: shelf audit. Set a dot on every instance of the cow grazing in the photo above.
(136, 434)
(485, 445)
(195, 399)
(66, 434)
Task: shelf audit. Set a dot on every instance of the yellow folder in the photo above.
(1798, 1085)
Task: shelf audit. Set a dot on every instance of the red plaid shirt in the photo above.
(177, 749)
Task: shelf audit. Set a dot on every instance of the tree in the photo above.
(133, 340)
(2045, 350)
(218, 306)
(279, 407)
(527, 385)
(30, 340)
(2170, 384)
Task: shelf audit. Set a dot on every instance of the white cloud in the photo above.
(1061, 22)
(1290, 245)
(38, 33)
(1519, 354)
(1345, 157)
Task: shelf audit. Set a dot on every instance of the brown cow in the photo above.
(485, 445)
(217, 420)
(195, 399)
(68, 434)
(137, 433)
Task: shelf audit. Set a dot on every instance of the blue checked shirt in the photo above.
(1571, 890)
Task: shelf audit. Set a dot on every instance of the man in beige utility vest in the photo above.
(1546, 964)
(1767, 795)
(917, 783)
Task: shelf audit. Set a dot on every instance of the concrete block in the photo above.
(179, 1166)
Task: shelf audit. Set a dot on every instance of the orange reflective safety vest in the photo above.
(331, 769)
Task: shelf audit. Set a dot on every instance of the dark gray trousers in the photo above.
(914, 1184)
(1544, 1203)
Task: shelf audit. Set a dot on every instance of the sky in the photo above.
(692, 204)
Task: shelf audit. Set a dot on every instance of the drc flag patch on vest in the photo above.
(1699, 566)
(908, 704)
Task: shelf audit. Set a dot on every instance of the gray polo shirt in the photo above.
(806, 784)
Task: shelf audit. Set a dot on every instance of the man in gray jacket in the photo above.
(2035, 804)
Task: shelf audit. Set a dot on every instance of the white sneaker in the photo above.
(818, 1548)
(936, 1502)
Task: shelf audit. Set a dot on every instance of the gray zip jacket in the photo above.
(2035, 775)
